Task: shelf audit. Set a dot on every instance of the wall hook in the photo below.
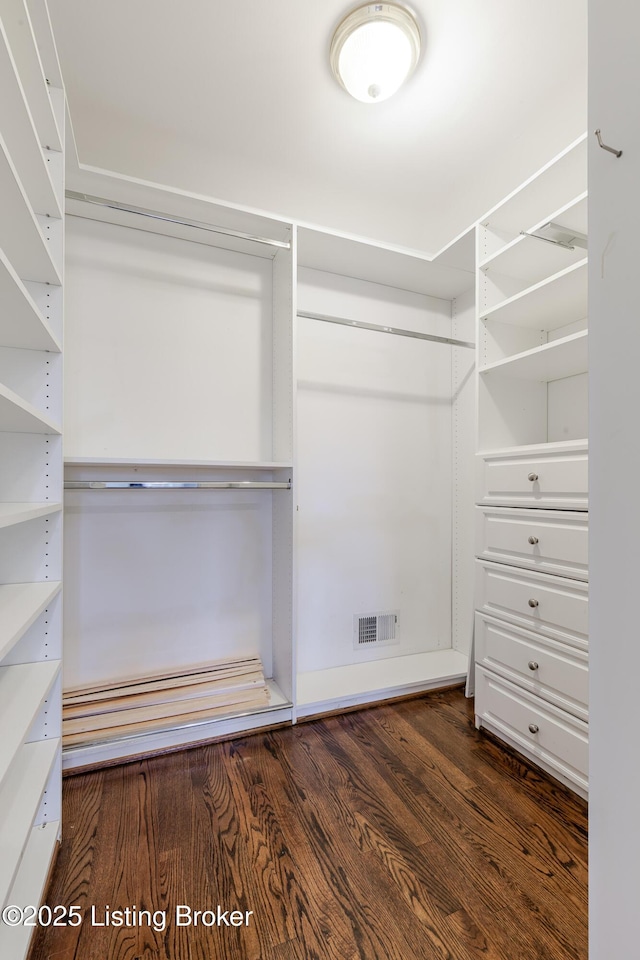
(618, 153)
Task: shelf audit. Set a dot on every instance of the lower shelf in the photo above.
(20, 798)
(359, 683)
(28, 887)
(279, 710)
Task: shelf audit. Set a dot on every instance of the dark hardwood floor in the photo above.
(393, 833)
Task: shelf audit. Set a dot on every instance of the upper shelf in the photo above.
(562, 178)
(555, 360)
(532, 259)
(261, 236)
(43, 32)
(21, 237)
(551, 303)
(19, 32)
(446, 276)
(21, 138)
(249, 465)
(21, 323)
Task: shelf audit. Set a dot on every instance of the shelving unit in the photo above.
(532, 469)
(360, 393)
(31, 249)
(225, 556)
(213, 436)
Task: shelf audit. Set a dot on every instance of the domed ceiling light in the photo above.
(374, 50)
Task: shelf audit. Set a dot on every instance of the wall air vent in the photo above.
(375, 629)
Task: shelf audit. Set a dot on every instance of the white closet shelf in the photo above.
(366, 260)
(20, 606)
(28, 886)
(528, 258)
(23, 689)
(548, 188)
(205, 464)
(18, 26)
(20, 235)
(555, 360)
(357, 683)
(21, 323)
(551, 303)
(18, 416)
(46, 44)
(535, 449)
(20, 797)
(22, 140)
(12, 513)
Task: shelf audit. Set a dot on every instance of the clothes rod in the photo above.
(175, 485)
(396, 331)
(165, 218)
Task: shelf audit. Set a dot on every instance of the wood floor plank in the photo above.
(396, 833)
(517, 872)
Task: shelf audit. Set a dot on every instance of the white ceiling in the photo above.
(236, 100)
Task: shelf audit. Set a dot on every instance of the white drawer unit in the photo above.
(548, 669)
(531, 623)
(555, 606)
(550, 541)
(555, 479)
(557, 740)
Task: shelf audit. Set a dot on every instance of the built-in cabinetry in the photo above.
(214, 367)
(192, 314)
(531, 530)
(31, 271)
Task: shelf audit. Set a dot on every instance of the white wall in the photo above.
(374, 471)
(169, 347)
(169, 358)
(614, 459)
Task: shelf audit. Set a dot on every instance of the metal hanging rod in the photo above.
(396, 331)
(166, 218)
(175, 485)
(572, 239)
(557, 243)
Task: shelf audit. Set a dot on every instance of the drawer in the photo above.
(550, 541)
(555, 606)
(545, 479)
(548, 669)
(540, 730)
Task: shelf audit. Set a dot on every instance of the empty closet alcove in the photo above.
(195, 355)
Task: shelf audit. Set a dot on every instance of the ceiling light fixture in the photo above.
(374, 50)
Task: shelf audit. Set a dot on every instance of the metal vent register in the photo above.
(375, 629)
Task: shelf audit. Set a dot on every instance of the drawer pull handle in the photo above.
(533, 665)
(533, 603)
(533, 728)
(533, 477)
(533, 541)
